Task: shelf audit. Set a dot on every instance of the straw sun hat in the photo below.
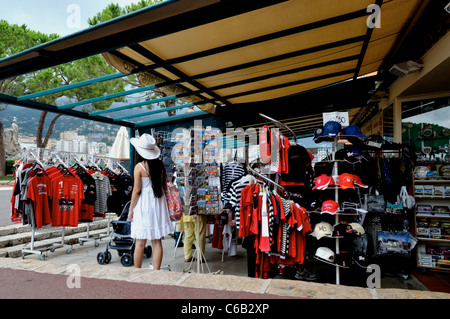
(146, 146)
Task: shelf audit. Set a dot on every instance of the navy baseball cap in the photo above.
(331, 129)
(353, 130)
(318, 135)
(351, 155)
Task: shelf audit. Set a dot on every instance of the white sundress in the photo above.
(150, 215)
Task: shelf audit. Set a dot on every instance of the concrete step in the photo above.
(48, 244)
(14, 238)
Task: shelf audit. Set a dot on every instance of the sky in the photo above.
(63, 17)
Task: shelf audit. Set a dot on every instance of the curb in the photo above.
(275, 287)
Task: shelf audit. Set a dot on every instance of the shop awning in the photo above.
(219, 53)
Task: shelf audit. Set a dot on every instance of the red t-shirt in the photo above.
(67, 194)
(39, 190)
(246, 210)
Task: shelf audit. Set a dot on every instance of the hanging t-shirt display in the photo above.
(114, 201)
(103, 191)
(38, 192)
(299, 160)
(87, 205)
(127, 182)
(67, 194)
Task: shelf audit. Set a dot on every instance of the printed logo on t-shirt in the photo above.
(66, 204)
(42, 189)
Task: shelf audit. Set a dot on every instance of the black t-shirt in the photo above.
(298, 161)
(121, 188)
(90, 194)
(115, 200)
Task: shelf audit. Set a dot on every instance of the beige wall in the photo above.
(413, 87)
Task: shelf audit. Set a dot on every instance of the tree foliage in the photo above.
(113, 11)
(15, 39)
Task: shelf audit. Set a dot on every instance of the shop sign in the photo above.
(340, 117)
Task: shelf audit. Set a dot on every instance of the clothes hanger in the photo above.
(281, 126)
(285, 193)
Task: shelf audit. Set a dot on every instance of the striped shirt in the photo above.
(103, 191)
(231, 172)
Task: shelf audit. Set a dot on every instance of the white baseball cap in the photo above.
(322, 229)
(357, 228)
(325, 254)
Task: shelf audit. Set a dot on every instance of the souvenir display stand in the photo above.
(198, 182)
(353, 154)
(383, 217)
(432, 216)
(335, 177)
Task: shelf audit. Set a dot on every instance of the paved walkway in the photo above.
(25, 278)
(78, 275)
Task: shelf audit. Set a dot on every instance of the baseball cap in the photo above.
(375, 141)
(343, 259)
(325, 253)
(342, 229)
(353, 130)
(331, 129)
(323, 167)
(330, 207)
(323, 181)
(318, 135)
(346, 180)
(350, 155)
(322, 229)
(357, 228)
(357, 181)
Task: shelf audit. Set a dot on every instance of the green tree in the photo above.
(114, 10)
(15, 39)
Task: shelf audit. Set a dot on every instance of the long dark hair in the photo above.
(157, 174)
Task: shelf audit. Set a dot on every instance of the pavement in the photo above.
(78, 275)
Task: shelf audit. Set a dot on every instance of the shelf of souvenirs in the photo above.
(433, 215)
(434, 257)
(432, 173)
(432, 196)
(438, 180)
(432, 190)
(434, 268)
(445, 239)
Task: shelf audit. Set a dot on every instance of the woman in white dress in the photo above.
(149, 214)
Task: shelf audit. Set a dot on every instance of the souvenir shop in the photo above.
(378, 195)
(303, 218)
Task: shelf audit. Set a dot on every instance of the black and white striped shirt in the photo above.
(231, 172)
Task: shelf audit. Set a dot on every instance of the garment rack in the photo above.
(81, 241)
(281, 126)
(252, 171)
(54, 246)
